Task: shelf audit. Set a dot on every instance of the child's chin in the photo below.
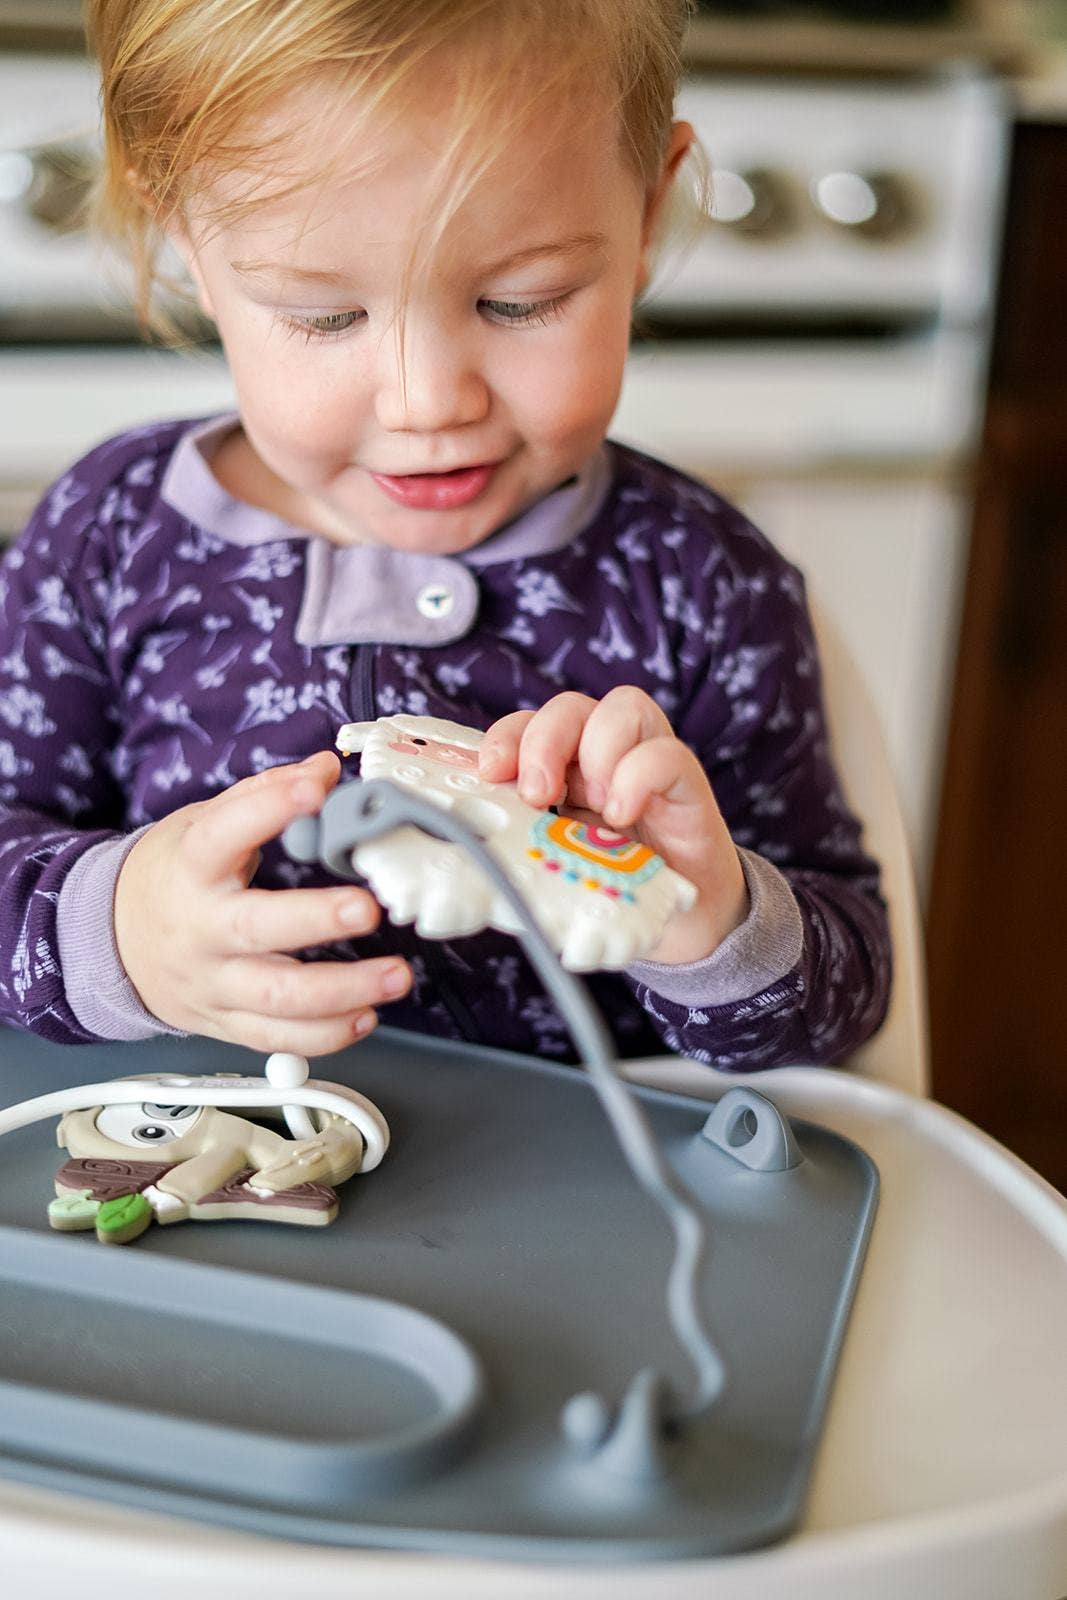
(435, 533)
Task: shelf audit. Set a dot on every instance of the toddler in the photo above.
(420, 227)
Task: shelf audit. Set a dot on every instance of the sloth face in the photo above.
(147, 1126)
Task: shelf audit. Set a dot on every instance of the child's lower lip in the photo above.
(436, 491)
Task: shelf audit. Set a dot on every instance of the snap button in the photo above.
(435, 600)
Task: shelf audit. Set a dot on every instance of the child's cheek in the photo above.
(576, 394)
(313, 421)
(575, 412)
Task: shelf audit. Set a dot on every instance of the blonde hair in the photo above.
(188, 87)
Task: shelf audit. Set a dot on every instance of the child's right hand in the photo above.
(207, 954)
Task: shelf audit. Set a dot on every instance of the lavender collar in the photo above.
(367, 593)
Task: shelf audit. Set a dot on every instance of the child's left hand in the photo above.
(623, 765)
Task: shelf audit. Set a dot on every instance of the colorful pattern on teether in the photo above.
(594, 857)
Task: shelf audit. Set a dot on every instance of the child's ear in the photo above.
(678, 147)
(176, 233)
(179, 239)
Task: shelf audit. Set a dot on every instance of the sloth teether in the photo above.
(155, 1148)
(601, 899)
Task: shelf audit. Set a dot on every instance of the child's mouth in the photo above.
(436, 491)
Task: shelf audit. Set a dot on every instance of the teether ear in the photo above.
(353, 736)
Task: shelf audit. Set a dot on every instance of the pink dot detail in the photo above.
(604, 837)
(614, 893)
(553, 866)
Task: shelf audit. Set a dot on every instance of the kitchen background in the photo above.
(865, 346)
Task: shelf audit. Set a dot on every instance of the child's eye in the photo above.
(523, 313)
(327, 326)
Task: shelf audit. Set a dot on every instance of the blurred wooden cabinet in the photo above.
(998, 908)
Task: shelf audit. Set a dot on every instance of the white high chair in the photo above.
(942, 1470)
(899, 1052)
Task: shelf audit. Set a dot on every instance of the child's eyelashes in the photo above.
(326, 326)
(509, 313)
(524, 313)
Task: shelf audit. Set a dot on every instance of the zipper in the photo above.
(363, 683)
(454, 1004)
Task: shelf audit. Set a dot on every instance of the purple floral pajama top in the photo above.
(160, 640)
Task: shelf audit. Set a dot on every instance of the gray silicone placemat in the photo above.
(505, 1215)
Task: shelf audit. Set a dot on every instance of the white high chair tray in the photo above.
(943, 1466)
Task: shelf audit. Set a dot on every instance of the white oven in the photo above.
(818, 353)
(823, 360)
(72, 369)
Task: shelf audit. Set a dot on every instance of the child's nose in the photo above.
(432, 386)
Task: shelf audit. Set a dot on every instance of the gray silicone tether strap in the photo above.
(360, 811)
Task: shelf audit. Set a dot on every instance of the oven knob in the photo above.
(755, 202)
(59, 185)
(873, 205)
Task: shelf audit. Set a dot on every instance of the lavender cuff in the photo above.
(98, 990)
(760, 952)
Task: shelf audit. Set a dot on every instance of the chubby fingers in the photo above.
(498, 753)
(231, 827)
(626, 721)
(281, 987)
(537, 747)
(572, 739)
(274, 1002)
(265, 921)
(657, 774)
(320, 1036)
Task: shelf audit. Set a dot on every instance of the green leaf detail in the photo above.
(124, 1212)
(75, 1209)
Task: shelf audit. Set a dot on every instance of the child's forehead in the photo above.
(383, 165)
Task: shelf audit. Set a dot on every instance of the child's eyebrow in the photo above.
(573, 245)
(576, 244)
(270, 269)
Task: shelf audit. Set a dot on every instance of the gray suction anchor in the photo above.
(359, 811)
(746, 1126)
(627, 1443)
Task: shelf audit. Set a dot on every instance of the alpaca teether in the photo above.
(601, 899)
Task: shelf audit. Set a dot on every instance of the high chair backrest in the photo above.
(899, 1052)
